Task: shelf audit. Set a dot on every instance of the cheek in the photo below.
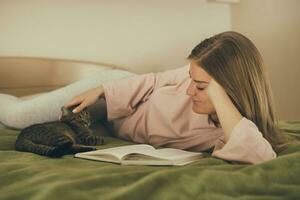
(201, 96)
(204, 106)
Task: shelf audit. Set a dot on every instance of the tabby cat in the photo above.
(55, 139)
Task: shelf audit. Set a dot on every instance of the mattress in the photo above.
(30, 176)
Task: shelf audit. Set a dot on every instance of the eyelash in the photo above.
(200, 88)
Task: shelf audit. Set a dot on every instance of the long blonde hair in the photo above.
(236, 64)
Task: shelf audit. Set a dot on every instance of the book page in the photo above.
(106, 158)
(166, 154)
(122, 151)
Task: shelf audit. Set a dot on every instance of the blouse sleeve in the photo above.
(246, 144)
(123, 96)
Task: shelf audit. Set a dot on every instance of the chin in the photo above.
(199, 110)
(203, 110)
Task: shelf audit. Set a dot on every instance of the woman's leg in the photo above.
(17, 113)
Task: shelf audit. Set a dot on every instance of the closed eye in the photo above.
(200, 88)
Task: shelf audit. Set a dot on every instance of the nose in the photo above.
(191, 89)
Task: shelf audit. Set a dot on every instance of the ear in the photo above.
(66, 113)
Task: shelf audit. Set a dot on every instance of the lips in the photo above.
(196, 101)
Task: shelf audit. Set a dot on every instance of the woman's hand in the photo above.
(228, 115)
(86, 99)
(212, 88)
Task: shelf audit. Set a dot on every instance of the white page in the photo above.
(171, 154)
(107, 158)
(121, 151)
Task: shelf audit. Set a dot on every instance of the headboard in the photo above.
(21, 76)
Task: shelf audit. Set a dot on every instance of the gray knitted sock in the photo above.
(18, 113)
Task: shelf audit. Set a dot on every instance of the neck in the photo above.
(214, 118)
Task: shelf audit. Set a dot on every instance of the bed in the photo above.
(30, 176)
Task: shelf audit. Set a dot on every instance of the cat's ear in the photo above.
(66, 114)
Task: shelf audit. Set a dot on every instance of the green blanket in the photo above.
(29, 176)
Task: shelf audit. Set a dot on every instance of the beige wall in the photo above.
(274, 26)
(139, 35)
(145, 36)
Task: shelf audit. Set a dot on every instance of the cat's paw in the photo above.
(81, 148)
(93, 140)
(62, 149)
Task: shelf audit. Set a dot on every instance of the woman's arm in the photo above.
(86, 99)
(243, 142)
(124, 96)
(227, 113)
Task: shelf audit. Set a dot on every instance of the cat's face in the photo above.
(66, 114)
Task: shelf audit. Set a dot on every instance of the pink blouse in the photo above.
(155, 109)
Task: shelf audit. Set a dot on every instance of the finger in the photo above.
(73, 102)
(79, 108)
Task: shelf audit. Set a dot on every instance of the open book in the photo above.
(142, 154)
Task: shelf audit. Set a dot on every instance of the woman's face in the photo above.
(197, 90)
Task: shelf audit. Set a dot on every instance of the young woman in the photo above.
(221, 101)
